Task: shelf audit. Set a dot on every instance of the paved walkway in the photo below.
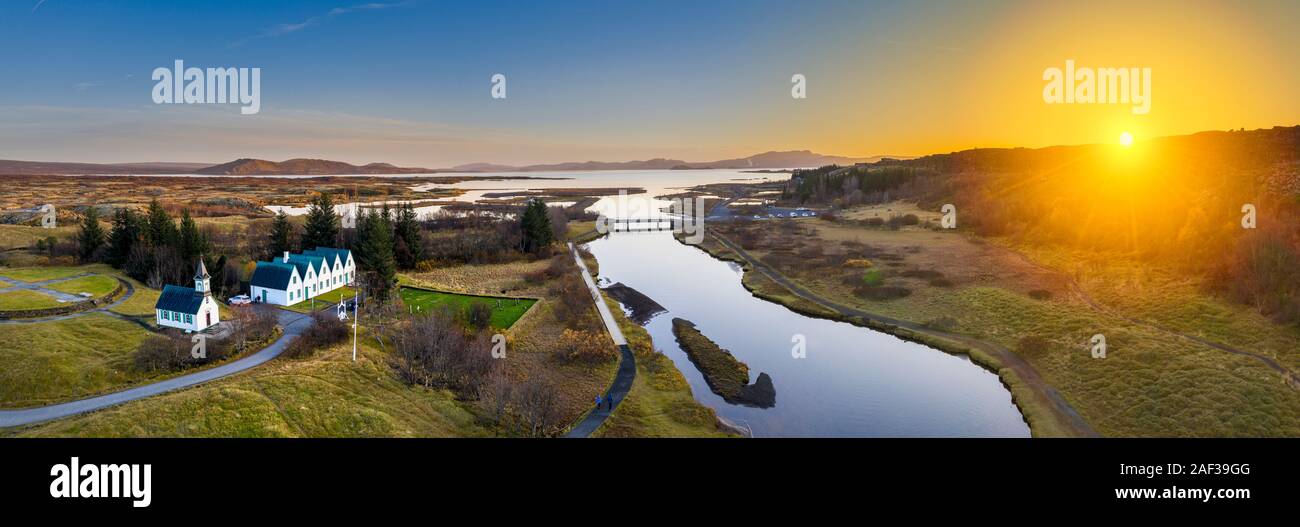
(293, 324)
(1064, 414)
(626, 364)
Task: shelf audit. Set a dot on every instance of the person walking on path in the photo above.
(597, 402)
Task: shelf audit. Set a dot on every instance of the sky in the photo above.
(409, 82)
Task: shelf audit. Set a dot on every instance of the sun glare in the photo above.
(1125, 139)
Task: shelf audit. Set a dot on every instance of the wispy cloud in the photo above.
(294, 27)
(83, 86)
(37, 6)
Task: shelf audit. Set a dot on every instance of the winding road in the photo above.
(293, 324)
(626, 364)
(1062, 412)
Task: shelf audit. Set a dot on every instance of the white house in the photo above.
(342, 268)
(276, 283)
(191, 309)
(296, 277)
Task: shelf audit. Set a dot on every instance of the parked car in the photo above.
(240, 300)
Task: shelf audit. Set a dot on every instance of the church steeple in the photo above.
(201, 279)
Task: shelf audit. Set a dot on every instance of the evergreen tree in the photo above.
(126, 232)
(218, 274)
(192, 243)
(92, 235)
(408, 248)
(281, 235)
(536, 226)
(161, 231)
(322, 226)
(374, 254)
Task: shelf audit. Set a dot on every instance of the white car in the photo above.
(240, 300)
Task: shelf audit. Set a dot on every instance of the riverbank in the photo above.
(1043, 409)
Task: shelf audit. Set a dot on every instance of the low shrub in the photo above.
(326, 330)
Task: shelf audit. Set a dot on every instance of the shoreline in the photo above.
(1045, 413)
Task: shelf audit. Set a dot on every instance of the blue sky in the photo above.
(408, 82)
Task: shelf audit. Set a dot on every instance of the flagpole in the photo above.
(356, 314)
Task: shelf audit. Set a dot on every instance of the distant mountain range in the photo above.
(303, 167)
(786, 159)
(322, 167)
(43, 167)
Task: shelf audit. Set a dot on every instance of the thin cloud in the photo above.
(83, 86)
(37, 6)
(285, 29)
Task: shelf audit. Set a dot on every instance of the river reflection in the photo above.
(854, 382)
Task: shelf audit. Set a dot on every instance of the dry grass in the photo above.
(1150, 384)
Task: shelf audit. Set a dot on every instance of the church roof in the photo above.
(201, 272)
(179, 299)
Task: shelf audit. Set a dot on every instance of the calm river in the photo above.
(854, 382)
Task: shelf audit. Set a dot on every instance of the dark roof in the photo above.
(316, 262)
(272, 275)
(331, 252)
(201, 271)
(180, 299)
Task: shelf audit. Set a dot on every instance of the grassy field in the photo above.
(1150, 384)
(17, 299)
(505, 311)
(582, 231)
(484, 279)
(50, 362)
(326, 395)
(15, 236)
(96, 285)
(37, 274)
(67, 359)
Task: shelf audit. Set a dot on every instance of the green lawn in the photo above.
(37, 274)
(23, 299)
(97, 285)
(505, 311)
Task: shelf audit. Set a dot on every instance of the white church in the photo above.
(296, 277)
(190, 309)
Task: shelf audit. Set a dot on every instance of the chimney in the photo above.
(286, 257)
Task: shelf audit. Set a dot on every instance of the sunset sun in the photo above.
(1125, 139)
